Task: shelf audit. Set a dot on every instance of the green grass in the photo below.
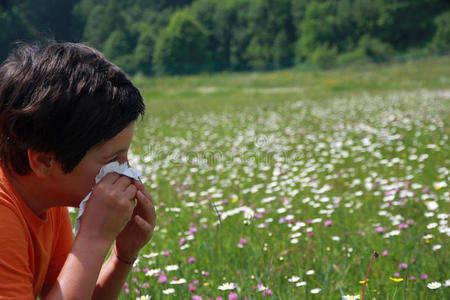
(358, 146)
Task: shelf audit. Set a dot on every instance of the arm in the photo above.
(84, 275)
(109, 210)
(128, 243)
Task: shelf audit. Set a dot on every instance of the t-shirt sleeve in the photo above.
(16, 278)
(62, 247)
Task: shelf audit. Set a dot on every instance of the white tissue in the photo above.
(121, 169)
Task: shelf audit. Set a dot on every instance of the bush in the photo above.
(117, 45)
(324, 56)
(181, 48)
(375, 49)
(144, 52)
(441, 38)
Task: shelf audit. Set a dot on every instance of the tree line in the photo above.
(190, 36)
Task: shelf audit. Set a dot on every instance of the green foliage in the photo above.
(101, 21)
(181, 47)
(323, 56)
(12, 25)
(375, 49)
(317, 29)
(144, 52)
(241, 34)
(272, 32)
(117, 45)
(441, 39)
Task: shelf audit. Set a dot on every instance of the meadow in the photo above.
(283, 185)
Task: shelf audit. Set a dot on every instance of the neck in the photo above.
(30, 190)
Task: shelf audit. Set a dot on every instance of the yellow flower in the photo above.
(395, 279)
(363, 281)
(206, 283)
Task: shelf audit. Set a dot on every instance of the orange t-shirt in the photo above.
(32, 249)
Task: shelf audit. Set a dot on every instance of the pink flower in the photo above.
(384, 253)
(166, 253)
(196, 297)
(267, 292)
(233, 296)
(162, 278)
(191, 260)
(242, 241)
(402, 226)
(423, 276)
(328, 223)
(403, 266)
(192, 287)
(182, 241)
(379, 229)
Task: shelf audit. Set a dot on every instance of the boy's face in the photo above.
(71, 188)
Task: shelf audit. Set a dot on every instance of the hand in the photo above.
(139, 229)
(109, 208)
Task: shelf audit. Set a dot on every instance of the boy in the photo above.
(65, 111)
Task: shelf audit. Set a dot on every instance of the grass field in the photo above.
(281, 185)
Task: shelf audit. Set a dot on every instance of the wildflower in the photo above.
(182, 241)
(267, 292)
(310, 272)
(350, 297)
(447, 283)
(145, 297)
(327, 223)
(294, 279)
(403, 266)
(412, 277)
(233, 296)
(227, 286)
(315, 291)
(153, 272)
(436, 247)
(196, 297)
(434, 285)
(150, 255)
(168, 291)
(384, 253)
(191, 287)
(396, 279)
(191, 260)
(379, 229)
(162, 278)
(423, 276)
(178, 281)
(301, 283)
(172, 268)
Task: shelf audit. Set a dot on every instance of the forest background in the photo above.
(192, 36)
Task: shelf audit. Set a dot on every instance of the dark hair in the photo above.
(62, 99)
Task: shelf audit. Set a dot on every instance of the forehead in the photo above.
(119, 143)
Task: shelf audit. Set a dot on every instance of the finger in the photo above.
(110, 178)
(145, 226)
(130, 192)
(123, 182)
(145, 208)
(142, 188)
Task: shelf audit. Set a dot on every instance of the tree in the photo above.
(117, 45)
(13, 28)
(102, 20)
(181, 47)
(318, 28)
(144, 52)
(272, 31)
(441, 39)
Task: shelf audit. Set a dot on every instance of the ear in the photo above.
(41, 163)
